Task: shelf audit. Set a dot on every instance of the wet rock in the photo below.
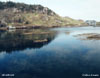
(89, 36)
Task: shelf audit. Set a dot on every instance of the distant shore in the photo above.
(34, 27)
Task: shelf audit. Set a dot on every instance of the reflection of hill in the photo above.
(19, 41)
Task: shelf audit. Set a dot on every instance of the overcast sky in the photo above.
(77, 9)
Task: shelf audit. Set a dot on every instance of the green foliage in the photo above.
(1, 5)
(10, 4)
(24, 7)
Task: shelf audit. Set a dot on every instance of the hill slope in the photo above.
(20, 14)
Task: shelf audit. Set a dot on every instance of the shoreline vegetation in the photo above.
(25, 16)
(35, 27)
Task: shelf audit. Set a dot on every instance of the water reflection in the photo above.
(20, 40)
(66, 56)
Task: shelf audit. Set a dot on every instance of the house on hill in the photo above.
(91, 22)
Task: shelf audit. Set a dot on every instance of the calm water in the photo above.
(50, 53)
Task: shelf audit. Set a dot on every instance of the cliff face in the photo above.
(20, 14)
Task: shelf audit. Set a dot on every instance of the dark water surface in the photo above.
(50, 53)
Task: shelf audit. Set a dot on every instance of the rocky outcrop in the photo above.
(3, 23)
(20, 14)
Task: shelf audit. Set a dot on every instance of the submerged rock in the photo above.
(88, 36)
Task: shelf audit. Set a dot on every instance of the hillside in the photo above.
(20, 14)
(98, 24)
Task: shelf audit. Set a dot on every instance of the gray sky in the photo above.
(77, 9)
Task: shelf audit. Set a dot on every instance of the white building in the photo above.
(91, 22)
